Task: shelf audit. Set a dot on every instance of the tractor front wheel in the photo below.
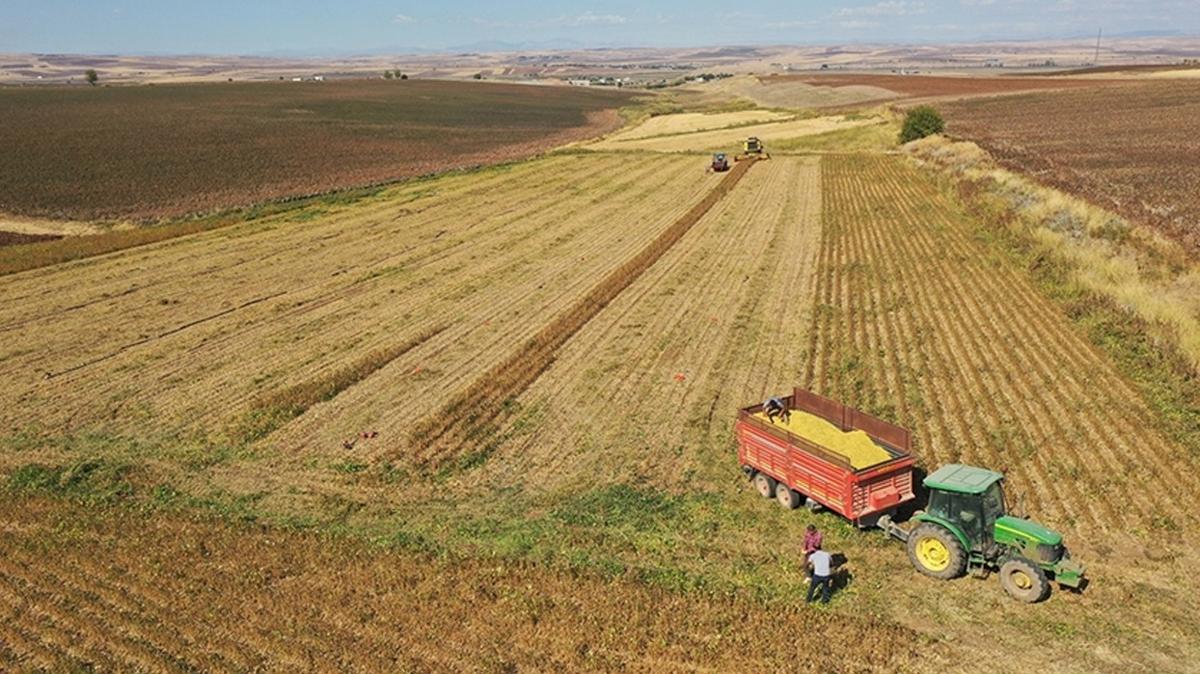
(935, 552)
(1023, 580)
(765, 484)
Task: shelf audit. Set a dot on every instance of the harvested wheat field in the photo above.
(207, 321)
(691, 122)
(82, 590)
(921, 324)
(730, 139)
(529, 375)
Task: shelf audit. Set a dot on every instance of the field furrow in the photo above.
(715, 322)
(1003, 376)
(203, 377)
(492, 326)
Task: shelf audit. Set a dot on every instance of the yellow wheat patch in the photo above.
(856, 446)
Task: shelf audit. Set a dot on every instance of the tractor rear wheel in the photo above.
(1023, 580)
(936, 552)
(765, 484)
(786, 497)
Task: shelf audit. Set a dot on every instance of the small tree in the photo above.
(403, 76)
(91, 76)
(921, 121)
(387, 75)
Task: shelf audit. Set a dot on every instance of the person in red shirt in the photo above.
(812, 543)
(812, 540)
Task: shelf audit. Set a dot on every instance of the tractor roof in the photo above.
(962, 479)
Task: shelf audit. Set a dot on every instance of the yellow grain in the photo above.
(856, 446)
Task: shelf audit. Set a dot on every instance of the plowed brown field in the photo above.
(1130, 149)
(921, 86)
(148, 152)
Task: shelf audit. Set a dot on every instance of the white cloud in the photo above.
(885, 8)
(590, 18)
(403, 18)
(858, 24)
(799, 23)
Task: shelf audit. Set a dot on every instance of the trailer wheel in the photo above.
(786, 497)
(935, 552)
(1023, 580)
(765, 484)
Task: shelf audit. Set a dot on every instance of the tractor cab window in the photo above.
(968, 515)
(939, 505)
(993, 505)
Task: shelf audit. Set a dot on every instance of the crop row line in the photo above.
(464, 424)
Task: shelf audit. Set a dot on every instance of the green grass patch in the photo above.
(93, 481)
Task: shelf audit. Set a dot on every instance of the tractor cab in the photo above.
(720, 162)
(966, 527)
(969, 500)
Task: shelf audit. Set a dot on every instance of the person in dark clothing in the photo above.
(776, 408)
(821, 564)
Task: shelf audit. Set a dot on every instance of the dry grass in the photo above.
(788, 94)
(925, 86)
(271, 411)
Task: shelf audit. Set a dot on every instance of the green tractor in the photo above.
(966, 528)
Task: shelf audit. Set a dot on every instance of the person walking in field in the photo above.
(776, 408)
(821, 564)
(812, 540)
(812, 543)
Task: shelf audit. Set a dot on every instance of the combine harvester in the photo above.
(753, 148)
(831, 455)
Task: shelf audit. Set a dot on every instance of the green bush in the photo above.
(921, 121)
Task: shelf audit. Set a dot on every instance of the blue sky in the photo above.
(309, 26)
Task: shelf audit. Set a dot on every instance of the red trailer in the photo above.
(794, 469)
